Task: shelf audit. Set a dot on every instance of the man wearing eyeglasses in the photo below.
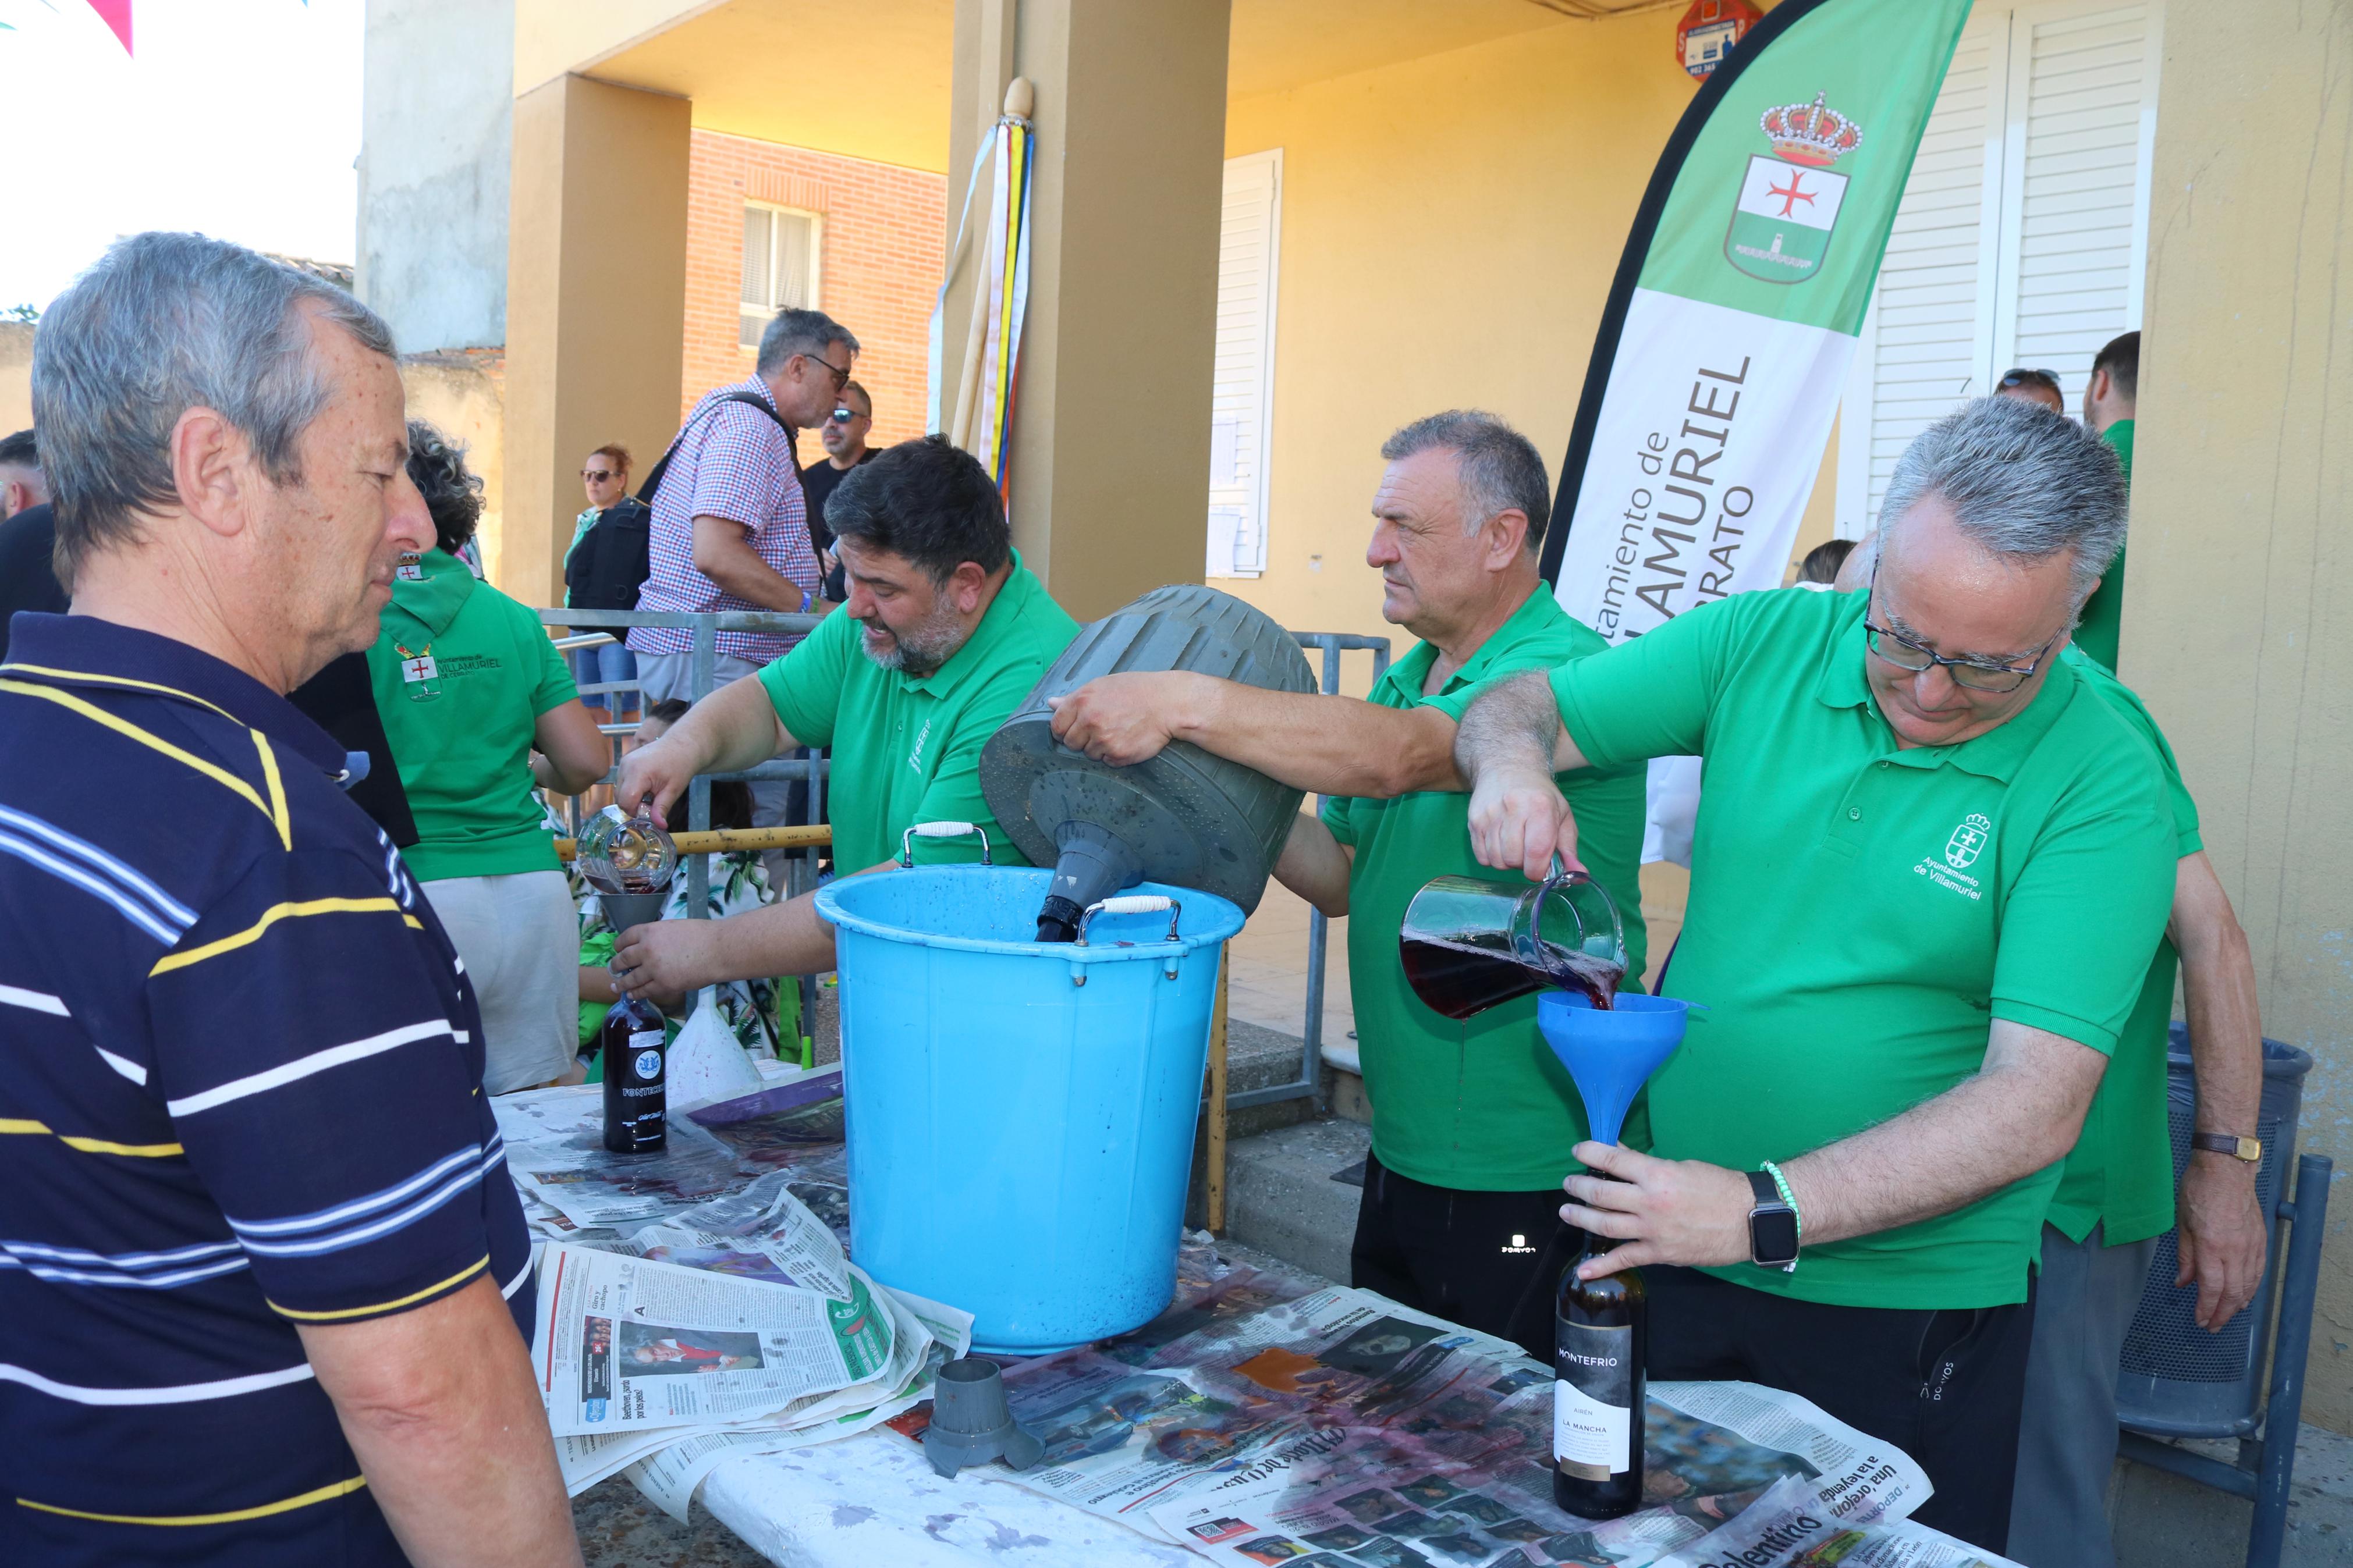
(844, 434)
(730, 521)
(1929, 868)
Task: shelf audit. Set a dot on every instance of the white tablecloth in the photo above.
(873, 1499)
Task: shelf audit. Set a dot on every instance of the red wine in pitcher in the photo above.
(1461, 979)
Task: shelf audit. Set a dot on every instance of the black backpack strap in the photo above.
(753, 399)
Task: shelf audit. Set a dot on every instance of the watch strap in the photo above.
(1767, 1194)
(2250, 1150)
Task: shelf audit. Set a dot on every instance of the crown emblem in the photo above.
(1810, 133)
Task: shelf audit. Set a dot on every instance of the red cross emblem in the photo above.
(1791, 195)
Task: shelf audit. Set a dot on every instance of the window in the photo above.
(780, 263)
(1242, 389)
(2023, 236)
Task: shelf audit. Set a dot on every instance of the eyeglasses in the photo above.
(843, 416)
(2021, 377)
(598, 476)
(840, 372)
(1975, 674)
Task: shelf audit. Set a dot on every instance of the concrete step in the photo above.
(1281, 1196)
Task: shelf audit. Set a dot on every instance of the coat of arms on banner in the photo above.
(1789, 202)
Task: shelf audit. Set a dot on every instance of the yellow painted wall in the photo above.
(15, 376)
(1450, 226)
(2237, 626)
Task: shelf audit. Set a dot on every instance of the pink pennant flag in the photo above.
(115, 13)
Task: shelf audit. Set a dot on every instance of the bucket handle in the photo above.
(1133, 904)
(939, 830)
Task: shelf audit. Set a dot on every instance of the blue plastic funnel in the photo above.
(1611, 1053)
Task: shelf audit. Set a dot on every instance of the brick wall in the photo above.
(879, 265)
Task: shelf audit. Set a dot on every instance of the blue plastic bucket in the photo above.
(1610, 1053)
(1021, 1115)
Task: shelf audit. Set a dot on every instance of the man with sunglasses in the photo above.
(844, 434)
(1929, 868)
(2036, 386)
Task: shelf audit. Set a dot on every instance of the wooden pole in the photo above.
(720, 839)
(1214, 1184)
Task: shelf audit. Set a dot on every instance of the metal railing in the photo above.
(1310, 1083)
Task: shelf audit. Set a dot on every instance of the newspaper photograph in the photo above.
(1789, 1527)
(628, 1343)
(927, 1334)
(1341, 1430)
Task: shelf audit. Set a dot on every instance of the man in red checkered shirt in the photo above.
(730, 524)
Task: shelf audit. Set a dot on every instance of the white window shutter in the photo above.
(2022, 234)
(1243, 386)
(1924, 350)
(2081, 81)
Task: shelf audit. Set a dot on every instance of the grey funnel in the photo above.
(1184, 816)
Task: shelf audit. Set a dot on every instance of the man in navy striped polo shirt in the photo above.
(264, 1284)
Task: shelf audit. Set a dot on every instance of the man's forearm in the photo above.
(2017, 1115)
(2217, 984)
(723, 553)
(733, 729)
(1326, 746)
(440, 1409)
(776, 939)
(1315, 866)
(1514, 726)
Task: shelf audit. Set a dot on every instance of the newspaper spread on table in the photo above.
(1788, 1528)
(1340, 1430)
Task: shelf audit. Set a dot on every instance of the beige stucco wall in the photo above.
(1450, 226)
(16, 375)
(2238, 627)
(463, 394)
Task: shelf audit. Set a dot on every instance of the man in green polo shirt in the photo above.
(944, 634)
(2115, 1196)
(1929, 868)
(1472, 1119)
(2109, 399)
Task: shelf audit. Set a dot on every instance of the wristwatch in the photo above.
(1772, 1226)
(2250, 1150)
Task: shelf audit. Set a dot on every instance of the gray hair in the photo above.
(799, 332)
(162, 323)
(1499, 466)
(2023, 482)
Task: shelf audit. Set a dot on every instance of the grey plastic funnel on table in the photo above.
(1183, 816)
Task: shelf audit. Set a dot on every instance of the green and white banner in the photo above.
(1725, 342)
(1733, 320)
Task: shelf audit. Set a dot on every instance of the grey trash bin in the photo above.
(2178, 1380)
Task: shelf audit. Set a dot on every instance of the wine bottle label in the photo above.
(1592, 1401)
(647, 1044)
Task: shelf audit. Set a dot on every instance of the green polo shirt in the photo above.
(2103, 620)
(1860, 914)
(906, 749)
(2120, 1175)
(461, 675)
(1479, 1103)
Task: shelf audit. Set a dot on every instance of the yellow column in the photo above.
(1110, 427)
(595, 336)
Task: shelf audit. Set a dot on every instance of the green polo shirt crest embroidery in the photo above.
(907, 749)
(1861, 914)
(1479, 1104)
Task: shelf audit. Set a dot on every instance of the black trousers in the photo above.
(1947, 1387)
(1489, 1261)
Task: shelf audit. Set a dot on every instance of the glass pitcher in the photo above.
(1468, 943)
(627, 854)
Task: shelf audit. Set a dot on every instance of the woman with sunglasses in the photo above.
(603, 569)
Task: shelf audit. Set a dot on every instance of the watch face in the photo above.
(1772, 1237)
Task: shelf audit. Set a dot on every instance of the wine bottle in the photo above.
(1600, 1331)
(637, 1096)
